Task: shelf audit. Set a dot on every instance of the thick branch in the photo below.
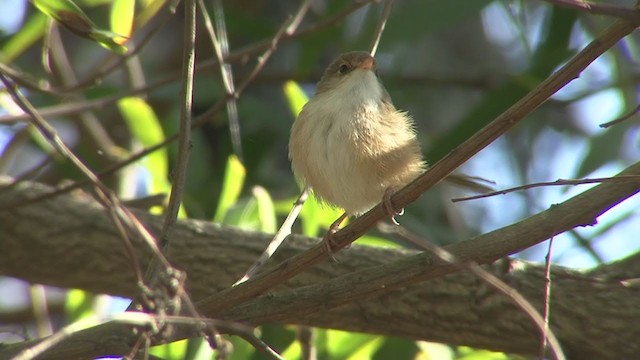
(69, 241)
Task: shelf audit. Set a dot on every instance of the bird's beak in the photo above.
(367, 64)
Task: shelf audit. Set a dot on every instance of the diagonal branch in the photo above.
(541, 93)
(70, 242)
(599, 8)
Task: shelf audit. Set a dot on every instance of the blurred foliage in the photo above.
(454, 65)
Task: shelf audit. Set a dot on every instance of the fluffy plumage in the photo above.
(350, 144)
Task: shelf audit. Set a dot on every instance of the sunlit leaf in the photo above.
(67, 13)
(467, 353)
(366, 351)
(430, 350)
(376, 241)
(79, 305)
(234, 175)
(174, 350)
(199, 349)
(243, 214)
(295, 96)
(145, 127)
(316, 216)
(122, 12)
(343, 344)
(293, 351)
(266, 211)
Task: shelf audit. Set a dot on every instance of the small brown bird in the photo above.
(349, 144)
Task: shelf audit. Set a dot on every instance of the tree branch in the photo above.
(70, 242)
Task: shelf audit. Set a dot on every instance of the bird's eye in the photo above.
(344, 68)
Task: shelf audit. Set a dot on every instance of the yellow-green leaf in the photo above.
(173, 350)
(344, 344)
(316, 216)
(110, 41)
(266, 211)
(79, 305)
(122, 12)
(234, 175)
(67, 13)
(145, 127)
(295, 96)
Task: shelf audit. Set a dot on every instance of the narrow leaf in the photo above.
(145, 127)
(295, 96)
(67, 13)
(266, 211)
(122, 12)
(232, 185)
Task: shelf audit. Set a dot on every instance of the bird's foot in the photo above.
(328, 240)
(386, 201)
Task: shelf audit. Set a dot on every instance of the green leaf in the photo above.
(243, 214)
(395, 347)
(145, 127)
(31, 31)
(67, 13)
(316, 215)
(234, 176)
(467, 353)
(122, 12)
(79, 305)
(266, 211)
(366, 351)
(370, 240)
(174, 350)
(295, 97)
(350, 345)
(431, 350)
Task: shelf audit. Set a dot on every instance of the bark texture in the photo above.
(70, 241)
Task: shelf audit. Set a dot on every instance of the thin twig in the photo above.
(237, 56)
(124, 220)
(621, 119)
(306, 336)
(64, 70)
(197, 122)
(221, 46)
(386, 11)
(600, 8)
(47, 343)
(551, 183)
(485, 276)
(291, 267)
(281, 234)
(547, 298)
(232, 328)
(96, 75)
(179, 173)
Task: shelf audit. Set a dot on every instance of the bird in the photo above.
(350, 145)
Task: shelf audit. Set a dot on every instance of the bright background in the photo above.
(452, 65)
